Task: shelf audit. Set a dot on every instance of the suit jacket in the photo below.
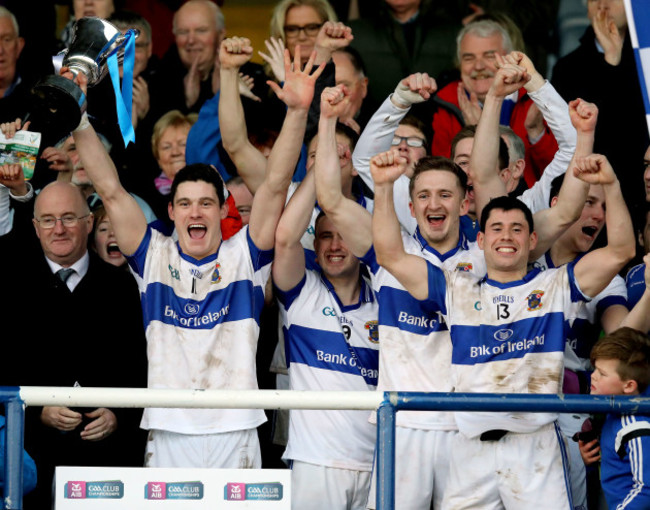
(622, 130)
(93, 337)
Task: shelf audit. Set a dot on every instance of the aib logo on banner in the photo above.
(107, 489)
(174, 490)
(253, 491)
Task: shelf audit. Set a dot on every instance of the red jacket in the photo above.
(448, 121)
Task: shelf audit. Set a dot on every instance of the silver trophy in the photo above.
(93, 41)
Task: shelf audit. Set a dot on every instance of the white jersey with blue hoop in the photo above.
(585, 328)
(330, 347)
(415, 353)
(202, 324)
(507, 338)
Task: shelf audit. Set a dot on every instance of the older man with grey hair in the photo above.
(189, 72)
(460, 102)
(11, 44)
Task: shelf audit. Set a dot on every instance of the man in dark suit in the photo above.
(80, 325)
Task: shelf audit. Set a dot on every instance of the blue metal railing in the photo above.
(13, 454)
(386, 414)
(405, 401)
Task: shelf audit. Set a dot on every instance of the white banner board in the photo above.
(89, 488)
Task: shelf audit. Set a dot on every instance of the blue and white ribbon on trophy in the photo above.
(638, 22)
(124, 96)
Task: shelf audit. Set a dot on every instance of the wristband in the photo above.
(406, 96)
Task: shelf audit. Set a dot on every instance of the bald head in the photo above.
(66, 241)
(198, 30)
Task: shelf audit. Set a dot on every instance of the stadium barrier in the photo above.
(387, 405)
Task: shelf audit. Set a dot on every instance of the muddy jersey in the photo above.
(202, 324)
(330, 347)
(415, 353)
(506, 338)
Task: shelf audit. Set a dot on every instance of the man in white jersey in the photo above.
(608, 308)
(415, 353)
(507, 331)
(329, 318)
(411, 341)
(201, 297)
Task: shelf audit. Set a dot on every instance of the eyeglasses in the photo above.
(310, 30)
(411, 141)
(67, 220)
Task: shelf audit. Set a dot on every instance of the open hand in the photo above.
(298, 89)
(275, 58)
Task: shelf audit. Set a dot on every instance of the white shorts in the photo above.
(326, 488)
(421, 468)
(239, 449)
(571, 423)
(517, 471)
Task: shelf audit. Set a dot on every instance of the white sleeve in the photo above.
(6, 212)
(376, 138)
(556, 114)
(6, 216)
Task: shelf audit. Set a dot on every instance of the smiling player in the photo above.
(202, 296)
(508, 336)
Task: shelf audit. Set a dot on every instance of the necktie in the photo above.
(64, 274)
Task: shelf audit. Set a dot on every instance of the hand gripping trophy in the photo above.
(96, 49)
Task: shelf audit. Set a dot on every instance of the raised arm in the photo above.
(596, 269)
(297, 93)
(555, 111)
(410, 270)
(379, 132)
(250, 162)
(127, 219)
(289, 258)
(351, 219)
(485, 152)
(551, 222)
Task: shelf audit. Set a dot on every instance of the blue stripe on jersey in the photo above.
(370, 260)
(288, 297)
(310, 260)
(397, 308)
(323, 349)
(481, 344)
(437, 287)
(227, 305)
(259, 257)
(576, 294)
(608, 301)
(424, 246)
(137, 260)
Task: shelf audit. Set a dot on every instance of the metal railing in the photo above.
(387, 405)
